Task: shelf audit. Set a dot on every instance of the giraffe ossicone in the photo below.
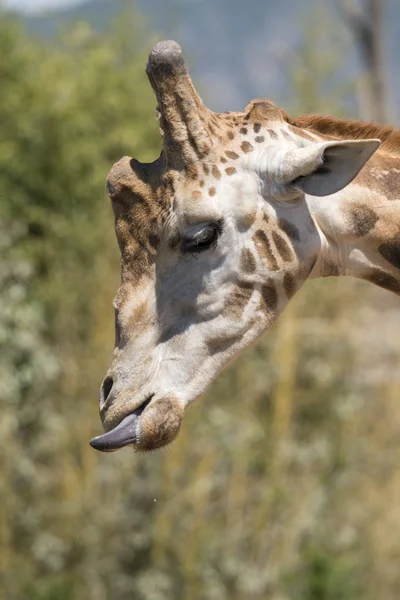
(218, 233)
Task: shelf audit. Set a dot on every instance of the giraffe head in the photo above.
(215, 238)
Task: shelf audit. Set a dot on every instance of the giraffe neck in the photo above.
(360, 226)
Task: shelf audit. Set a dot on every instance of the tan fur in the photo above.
(350, 130)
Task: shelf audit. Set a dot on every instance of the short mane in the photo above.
(343, 129)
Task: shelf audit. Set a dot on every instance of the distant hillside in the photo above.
(236, 49)
(97, 12)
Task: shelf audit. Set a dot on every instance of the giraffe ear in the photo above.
(325, 168)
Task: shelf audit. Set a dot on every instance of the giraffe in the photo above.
(219, 233)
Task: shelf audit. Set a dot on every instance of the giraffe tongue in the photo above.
(122, 435)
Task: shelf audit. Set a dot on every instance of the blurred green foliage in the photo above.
(283, 482)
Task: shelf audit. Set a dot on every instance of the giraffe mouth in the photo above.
(123, 434)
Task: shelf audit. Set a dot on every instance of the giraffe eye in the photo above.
(203, 240)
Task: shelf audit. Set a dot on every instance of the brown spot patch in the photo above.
(206, 169)
(247, 261)
(243, 130)
(391, 251)
(329, 270)
(289, 283)
(246, 147)
(201, 183)
(192, 171)
(216, 172)
(232, 155)
(272, 134)
(239, 299)
(212, 191)
(246, 221)
(260, 139)
(269, 297)
(263, 246)
(230, 170)
(383, 280)
(290, 229)
(231, 135)
(282, 246)
(221, 343)
(361, 219)
(223, 160)
(256, 127)
(137, 321)
(196, 195)
(372, 176)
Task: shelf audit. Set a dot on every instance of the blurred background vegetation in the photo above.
(284, 483)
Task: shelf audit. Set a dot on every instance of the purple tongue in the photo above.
(122, 435)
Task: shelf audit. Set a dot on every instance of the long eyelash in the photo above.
(174, 239)
(196, 245)
(220, 226)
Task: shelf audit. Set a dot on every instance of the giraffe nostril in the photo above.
(106, 388)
